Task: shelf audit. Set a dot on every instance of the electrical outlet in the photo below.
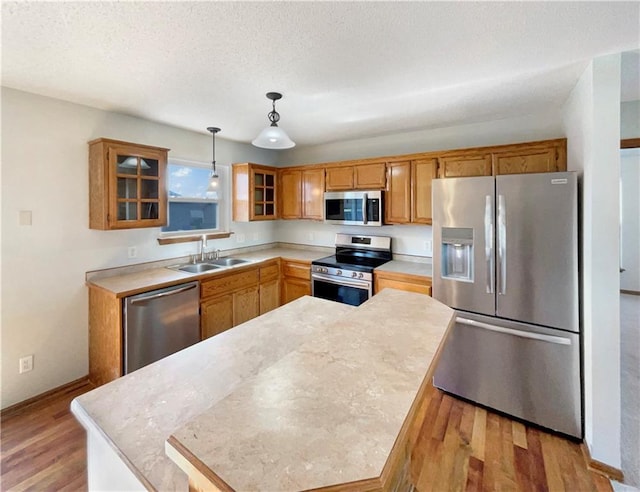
(240, 238)
(25, 364)
(310, 236)
(132, 252)
(428, 246)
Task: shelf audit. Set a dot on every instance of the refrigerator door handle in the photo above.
(489, 243)
(517, 333)
(502, 246)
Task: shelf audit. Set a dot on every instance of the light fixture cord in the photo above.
(214, 152)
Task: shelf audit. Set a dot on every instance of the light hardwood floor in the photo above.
(459, 447)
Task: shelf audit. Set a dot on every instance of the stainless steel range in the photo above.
(347, 276)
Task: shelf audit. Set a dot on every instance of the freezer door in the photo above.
(532, 373)
(537, 249)
(463, 238)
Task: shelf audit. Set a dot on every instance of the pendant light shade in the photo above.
(273, 137)
(213, 180)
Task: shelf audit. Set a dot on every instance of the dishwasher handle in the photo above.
(164, 294)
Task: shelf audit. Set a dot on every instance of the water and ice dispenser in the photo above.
(457, 253)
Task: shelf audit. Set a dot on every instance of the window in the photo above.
(190, 207)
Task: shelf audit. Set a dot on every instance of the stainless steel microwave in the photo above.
(354, 207)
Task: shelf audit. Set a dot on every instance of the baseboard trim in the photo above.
(47, 395)
(599, 467)
(630, 292)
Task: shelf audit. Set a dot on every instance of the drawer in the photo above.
(269, 272)
(229, 283)
(296, 269)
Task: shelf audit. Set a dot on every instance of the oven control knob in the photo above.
(325, 270)
(360, 275)
(354, 274)
(339, 272)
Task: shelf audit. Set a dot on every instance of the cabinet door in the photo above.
(216, 315)
(524, 160)
(269, 296)
(339, 178)
(291, 194)
(126, 185)
(465, 165)
(313, 194)
(292, 288)
(422, 174)
(246, 305)
(398, 195)
(369, 176)
(263, 194)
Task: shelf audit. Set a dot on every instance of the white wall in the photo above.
(592, 124)
(630, 223)
(45, 170)
(630, 119)
(506, 131)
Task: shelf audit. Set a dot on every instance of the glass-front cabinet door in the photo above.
(264, 194)
(133, 194)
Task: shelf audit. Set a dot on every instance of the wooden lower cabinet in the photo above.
(246, 305)
(228, 300)
(296, 280)
(216, 315)
(269, 286)
(269, 296)
(401, 281)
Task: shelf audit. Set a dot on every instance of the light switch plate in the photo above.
(25, 217)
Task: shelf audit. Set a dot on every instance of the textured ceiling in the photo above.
(346, 69)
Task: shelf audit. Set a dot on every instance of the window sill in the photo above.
(186, 238)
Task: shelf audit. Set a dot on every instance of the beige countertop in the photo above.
(421, 269)
(327, 413)
(158, 277)
(309, 394)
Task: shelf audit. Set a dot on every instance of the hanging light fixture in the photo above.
(273, 137)
(213, 180)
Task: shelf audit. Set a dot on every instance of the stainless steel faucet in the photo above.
(217, 254)
(203, 245)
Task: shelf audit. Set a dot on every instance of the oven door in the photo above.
(346, 291)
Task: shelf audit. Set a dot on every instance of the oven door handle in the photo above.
(343, 281)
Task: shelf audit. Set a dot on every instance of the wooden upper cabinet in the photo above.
(369, 176)
(339, 178)
(423, 172)
(127, 187)
(525, 158)
(356, 177)
(302, 194)
(254, 192)
(313, 194)
(465, 165)
(408, 195)
(398, 193)
(291, 194)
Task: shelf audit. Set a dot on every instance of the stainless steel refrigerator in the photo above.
(506, 259)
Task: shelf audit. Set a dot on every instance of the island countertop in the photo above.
(274, 393)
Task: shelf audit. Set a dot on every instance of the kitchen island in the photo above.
(313, 394)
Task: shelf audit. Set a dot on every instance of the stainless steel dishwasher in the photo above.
(159, 323)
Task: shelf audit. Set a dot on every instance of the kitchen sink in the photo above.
(197, 268)
(227, 261)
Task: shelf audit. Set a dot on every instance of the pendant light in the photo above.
(273, 137)
(213, 180)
